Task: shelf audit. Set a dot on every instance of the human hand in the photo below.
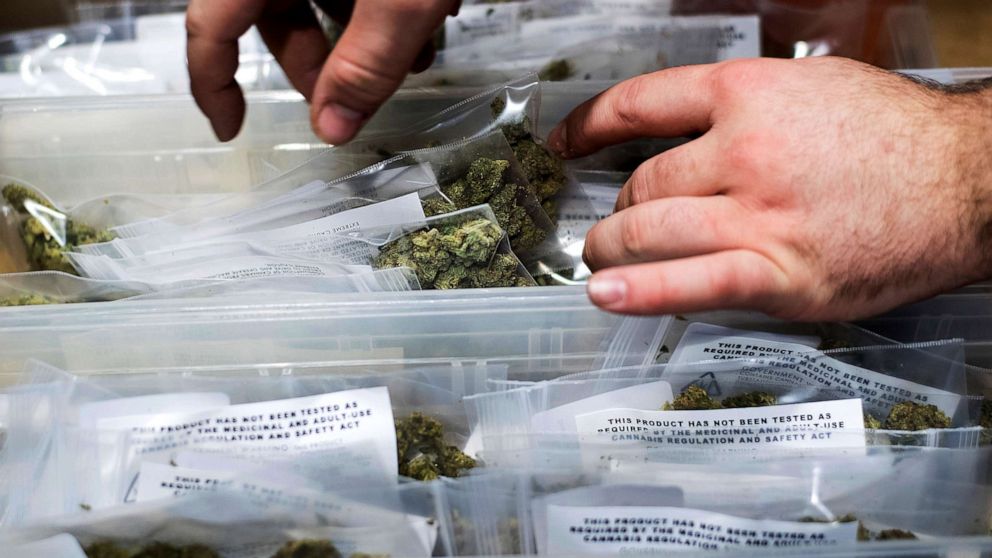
(383, 41)
(820, 189)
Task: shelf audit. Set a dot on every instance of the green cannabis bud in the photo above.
(422, 452)
(556, 70)
(872, 423)
(750, 399)
(106, 549)
(46, 252)
(544, 170)
(913, 416)
(26, 300)
(437, 206)
(692, 398)
(894, 534)
(455, 255)
(489, 181)
(308, 548)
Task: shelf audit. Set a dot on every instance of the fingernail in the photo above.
(558, 141)
(338, 124)
(605, 291)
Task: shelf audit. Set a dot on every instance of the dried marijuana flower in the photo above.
(489, 181)
(913, 416)
(692, 398)
(455, 255)
(872, 423)
(749, 399)
(544, 170)
(422, 452)
(106, 549)
(308, 548)
(556, 70)
(45, 251)
(26, 300)
(695, 398)
(894, 534)
(437, 205)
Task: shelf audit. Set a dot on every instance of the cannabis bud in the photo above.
(455, 255)
(544, 170)
(692, 398)
(695, 398)
(26, 300)
(308, 548)
(490, 181)
(872, 423)
(45, 251)
(108, 549)
(437, 205)
(556, 70)
(750, 399)
(914, 416)
(422, 452)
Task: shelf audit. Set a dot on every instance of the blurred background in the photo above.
(926, 33)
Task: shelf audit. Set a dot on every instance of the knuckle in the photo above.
(735, 76)
(633, 235)
(627, 104)
(639, 187)
(362, 80)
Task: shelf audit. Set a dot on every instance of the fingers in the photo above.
(669, 103)
(736, 279)
(213, 28)
(666, 229)
(691, 169)
(373, 57)
(294, 37)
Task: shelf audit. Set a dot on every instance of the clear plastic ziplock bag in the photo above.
(328, 166)
(46, 231)
(484, 169)
(230, 261)
(830, 501)
(79, 442)
(661, 405)
(398, 279)
(309, 202)
(228, 524)
(292, 239)
(56, 287)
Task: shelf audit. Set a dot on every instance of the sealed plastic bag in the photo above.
(225, 261)
(56, 287)
(82, 442)
(308, 202)
(46, 231)
(229, 524)
(669, 406)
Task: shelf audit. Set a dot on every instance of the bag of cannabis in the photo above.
(230, 523)
(222, 261)
(81, 441)
(308, 202)
(671, 406)
(47, 231)
(321, 168)
(55, 287)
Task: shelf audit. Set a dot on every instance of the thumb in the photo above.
(371, 60)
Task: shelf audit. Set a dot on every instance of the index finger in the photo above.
(213, 28)
(669, 103)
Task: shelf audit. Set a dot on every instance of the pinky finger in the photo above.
(733, 279)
